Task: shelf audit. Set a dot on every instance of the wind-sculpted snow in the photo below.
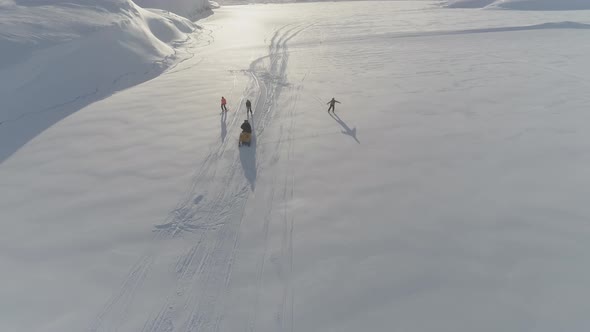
(521, 4)
(58, 56)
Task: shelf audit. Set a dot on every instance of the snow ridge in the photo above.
(520, 4)
(68, 54)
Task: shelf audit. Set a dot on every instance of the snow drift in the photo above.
(521, 4)
(186, 8)
(58, 56)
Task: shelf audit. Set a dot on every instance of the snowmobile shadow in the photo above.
(223, 126)
(248, 160)
(347, 130)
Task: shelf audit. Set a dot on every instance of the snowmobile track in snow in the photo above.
(212, 213)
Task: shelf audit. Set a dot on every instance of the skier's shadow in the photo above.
(223, 125)
(347, 130)
(248, 158)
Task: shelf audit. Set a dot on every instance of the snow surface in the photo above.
(448, 193)
(521, 4)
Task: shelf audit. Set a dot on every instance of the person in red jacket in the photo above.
(223, 102)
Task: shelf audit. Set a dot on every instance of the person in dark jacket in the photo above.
(246, 127)
(332, 105)
(248, 106)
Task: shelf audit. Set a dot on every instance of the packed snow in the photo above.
(446, 193)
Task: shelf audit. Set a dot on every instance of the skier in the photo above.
(246, 127)
(332, 105)
(248, 106)
(223, 102)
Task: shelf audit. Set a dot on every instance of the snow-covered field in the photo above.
(446, 194)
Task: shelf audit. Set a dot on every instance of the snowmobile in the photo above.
(245, 138)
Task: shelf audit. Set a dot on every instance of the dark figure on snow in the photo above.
(246, 127)
(332, 105)
(223, 102)
(248, 107)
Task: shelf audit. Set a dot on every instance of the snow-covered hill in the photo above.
(521, 4)
(58, 56)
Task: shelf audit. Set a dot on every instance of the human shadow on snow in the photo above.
(223, 125)
(347, 130)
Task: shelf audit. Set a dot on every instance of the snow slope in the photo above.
(447, 193)
(521, 4)
(59, 56)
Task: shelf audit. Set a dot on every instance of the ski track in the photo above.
(206, 315)
(212, 213)
(284, 313)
